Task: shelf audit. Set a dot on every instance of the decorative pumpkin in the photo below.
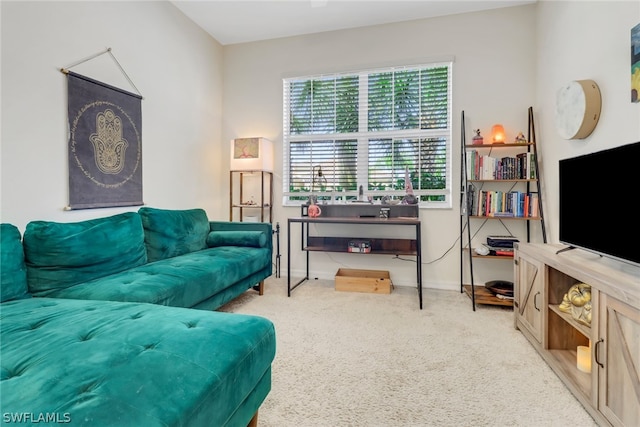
(579, 294)
(577, 302)
(582, 314)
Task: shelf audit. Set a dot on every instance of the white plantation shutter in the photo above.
(343, 131)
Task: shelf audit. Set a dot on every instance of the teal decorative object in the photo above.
(256, 239)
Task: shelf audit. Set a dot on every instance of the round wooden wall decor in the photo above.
(578, 106)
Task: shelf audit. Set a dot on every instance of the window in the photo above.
(371, 129)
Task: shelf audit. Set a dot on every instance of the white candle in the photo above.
(584, 358)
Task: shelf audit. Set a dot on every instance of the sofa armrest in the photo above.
(265, 227)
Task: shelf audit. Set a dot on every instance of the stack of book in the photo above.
(500, 245)
(496, 203)
(485, 167)
(499, 251)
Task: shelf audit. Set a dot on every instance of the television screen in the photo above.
(598, 199)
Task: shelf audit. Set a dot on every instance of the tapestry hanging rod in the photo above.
(65, 70)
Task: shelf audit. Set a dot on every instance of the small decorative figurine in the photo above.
(409, 198)
(478, 139)
(520, 138)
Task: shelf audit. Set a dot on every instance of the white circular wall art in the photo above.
(578, 106)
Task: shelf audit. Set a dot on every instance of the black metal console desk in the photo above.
(384, 246)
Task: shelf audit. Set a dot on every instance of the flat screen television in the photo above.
(599, 193)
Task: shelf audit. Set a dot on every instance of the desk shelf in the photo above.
(379, 246)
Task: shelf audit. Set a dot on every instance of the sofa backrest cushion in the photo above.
(170, 233)
(60, 255)
(12, 268)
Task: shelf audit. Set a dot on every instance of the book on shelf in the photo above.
(526, 165)
(499, 251)
(486, 167)
(471, 194)
(505, 204)
(472, 163)
(535, 205)
(533, 171)
(504, 242)
(502, 214)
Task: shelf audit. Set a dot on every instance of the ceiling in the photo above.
(241, 21)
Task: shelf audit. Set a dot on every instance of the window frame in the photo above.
(362, 137)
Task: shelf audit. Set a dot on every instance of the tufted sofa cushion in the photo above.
(60, 255)
(103, 363)
(12, 267)
(182, 281)
(170, 233)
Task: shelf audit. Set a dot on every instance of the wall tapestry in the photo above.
(635, 64)
(105, 145)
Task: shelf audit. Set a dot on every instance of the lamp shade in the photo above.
(497, 134)
(251, 154)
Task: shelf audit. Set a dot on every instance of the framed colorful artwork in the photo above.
(246, 148)
(251, 154)
(635, 64)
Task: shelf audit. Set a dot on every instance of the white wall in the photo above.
(577, 41)
(174, 64)
(494, 81)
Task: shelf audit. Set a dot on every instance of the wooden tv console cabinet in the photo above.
(611, 391)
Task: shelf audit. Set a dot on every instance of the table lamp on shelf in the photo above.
(497, 134)
(251, 154)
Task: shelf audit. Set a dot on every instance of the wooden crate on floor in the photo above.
(372, 281)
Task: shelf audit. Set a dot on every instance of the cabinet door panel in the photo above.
(619, 356)
(529, 283)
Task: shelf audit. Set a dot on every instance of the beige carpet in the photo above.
(356, 359)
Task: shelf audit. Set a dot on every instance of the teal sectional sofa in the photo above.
(88, 335)
(159, 256)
